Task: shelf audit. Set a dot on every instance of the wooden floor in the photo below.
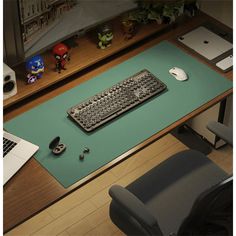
(86, 211)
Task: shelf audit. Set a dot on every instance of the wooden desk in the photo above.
(33, 188)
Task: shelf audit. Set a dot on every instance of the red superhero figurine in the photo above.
(60, 52)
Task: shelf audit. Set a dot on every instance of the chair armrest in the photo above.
(134, 207)
(221, 131)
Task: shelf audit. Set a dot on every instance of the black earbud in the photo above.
(85, 151)
(81, 157)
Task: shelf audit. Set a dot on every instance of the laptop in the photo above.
(16, 152)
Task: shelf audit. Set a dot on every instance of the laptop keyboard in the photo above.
(8, 145)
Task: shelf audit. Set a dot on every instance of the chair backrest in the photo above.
(212, 212)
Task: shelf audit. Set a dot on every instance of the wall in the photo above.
(222, 10)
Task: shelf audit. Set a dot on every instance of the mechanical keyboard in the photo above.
(114, 101)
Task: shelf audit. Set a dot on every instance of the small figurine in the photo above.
(105, 37)
(191, 8)
(35, 68)
(128, 27)
(60, 53)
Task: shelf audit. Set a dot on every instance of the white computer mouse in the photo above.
(178, 73)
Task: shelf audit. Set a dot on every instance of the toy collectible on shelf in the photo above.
(129, 28)
(35, 68)
(61, 54)
(105, 36)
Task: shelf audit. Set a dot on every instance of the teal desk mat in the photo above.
(48, 120)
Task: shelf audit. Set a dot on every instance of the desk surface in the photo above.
(21, 194)
(48, 120)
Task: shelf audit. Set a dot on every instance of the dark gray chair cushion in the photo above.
(169, 191)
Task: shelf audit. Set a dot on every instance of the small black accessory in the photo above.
(56, 147)
(86, 150)
(81, 157)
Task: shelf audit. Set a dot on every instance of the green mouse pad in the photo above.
(48, 120)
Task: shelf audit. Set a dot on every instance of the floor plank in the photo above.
(107, 228)
(90, 222)
(78, 197)
(60, 224)
(32, 225)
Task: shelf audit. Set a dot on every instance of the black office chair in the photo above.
(185, 195)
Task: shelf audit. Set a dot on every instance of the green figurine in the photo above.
(105, 37)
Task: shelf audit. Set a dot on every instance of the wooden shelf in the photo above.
(82, 56)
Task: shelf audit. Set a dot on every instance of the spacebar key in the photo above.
(110, 113)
